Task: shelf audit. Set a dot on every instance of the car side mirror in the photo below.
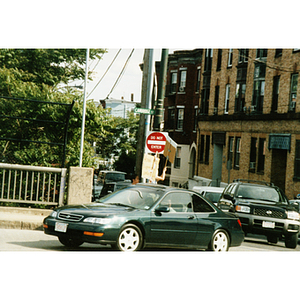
(228, 197)
(226, 205)
(162, 209)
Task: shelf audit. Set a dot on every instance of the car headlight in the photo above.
(53, 214)
(101, 221)
(243, 209)
(291, 214)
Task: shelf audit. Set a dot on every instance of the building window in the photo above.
(171, 118)
(275, 94)
(259, 88)
(278, 52)
(243, 55)
(182, 81)
(205, 100)
(198, 80)
(261, 155)
(240, 97)
(180, 117)
(237, 153)
(202, 145)
(207, 147)
(208, 60)
(297, 161)
(219, 61)
(204, 149)
(177, 158)
(253, 154)
(195, 118)
(216, 103)
(227, 94)
(293, 96)
(173, 82)
(261, 53)
(230, 53)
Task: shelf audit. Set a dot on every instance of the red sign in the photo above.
(156, 142)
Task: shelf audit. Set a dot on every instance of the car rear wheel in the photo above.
(220, 241)
(291, 241)
(130, 238)
(70, 242)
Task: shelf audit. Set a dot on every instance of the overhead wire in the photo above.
(121, 73)
(105, 72)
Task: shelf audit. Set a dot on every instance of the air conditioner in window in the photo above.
(181, 89)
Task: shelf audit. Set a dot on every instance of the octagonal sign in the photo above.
(156, 141)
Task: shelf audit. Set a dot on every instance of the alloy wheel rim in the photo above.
(220, 242)
(129, 239)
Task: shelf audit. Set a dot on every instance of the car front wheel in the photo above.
(291, 241)
(130, 238)
(220, 241)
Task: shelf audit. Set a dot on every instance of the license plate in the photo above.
(61, 227)
(268, 224)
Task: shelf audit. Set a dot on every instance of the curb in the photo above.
(22, 218)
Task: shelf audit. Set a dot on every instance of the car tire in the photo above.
(69, 242)
(220, 241)
(291, 241)
(272, 239)
(130, 238)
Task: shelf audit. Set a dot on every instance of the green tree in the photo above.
(36, 74)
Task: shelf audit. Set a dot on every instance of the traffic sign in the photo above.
(156, 141)
(145, 111)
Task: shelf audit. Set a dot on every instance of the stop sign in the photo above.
(156, 142)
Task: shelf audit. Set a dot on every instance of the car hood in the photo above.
(95, 209)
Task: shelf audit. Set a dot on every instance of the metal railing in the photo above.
(32, 185)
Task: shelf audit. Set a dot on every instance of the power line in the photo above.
(105, 72)
(121, 74)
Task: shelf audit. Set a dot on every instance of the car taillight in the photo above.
(239, 222)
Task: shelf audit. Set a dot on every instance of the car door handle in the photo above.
(191, 217)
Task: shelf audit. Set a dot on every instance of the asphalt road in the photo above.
(36, 240)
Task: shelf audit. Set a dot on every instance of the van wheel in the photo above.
(291, 241)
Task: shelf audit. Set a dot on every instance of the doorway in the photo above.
(278, 167)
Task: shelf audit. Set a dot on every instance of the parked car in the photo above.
(262, 209)
(110, 176)
(111, 187)
(210, 193)
(142, 215)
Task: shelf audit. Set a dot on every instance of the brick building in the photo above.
(180, 112)
(248, 121)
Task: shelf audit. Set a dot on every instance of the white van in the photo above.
(211, 193)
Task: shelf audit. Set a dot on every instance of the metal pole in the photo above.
(161, 90)
(84, 108)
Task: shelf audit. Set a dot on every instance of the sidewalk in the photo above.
(22, 218)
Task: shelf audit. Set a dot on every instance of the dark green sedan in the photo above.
(146, 215)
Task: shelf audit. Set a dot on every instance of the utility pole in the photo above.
(84, 109)
(145, 98)
(161, 90)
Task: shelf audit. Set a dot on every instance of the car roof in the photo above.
(208, 188)
(115, 172)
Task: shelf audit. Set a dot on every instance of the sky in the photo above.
(129, 83)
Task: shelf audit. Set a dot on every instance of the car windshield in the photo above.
(258, 193)
(212, 196)
(140, 198)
